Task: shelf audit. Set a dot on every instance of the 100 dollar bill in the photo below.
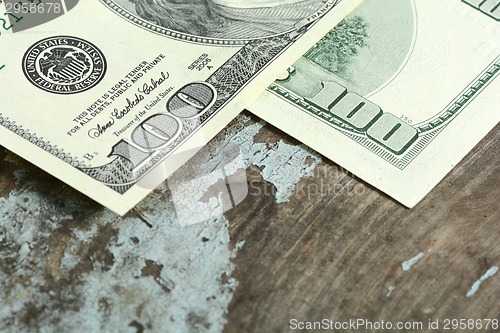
(398, 93)
(104, 94)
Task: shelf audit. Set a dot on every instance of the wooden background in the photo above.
(323, 257)
(320, 255)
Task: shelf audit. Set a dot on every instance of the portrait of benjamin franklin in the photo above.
(225, 19)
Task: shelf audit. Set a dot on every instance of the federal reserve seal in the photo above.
(64, 65)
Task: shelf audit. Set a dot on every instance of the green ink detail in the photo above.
(495, 7)
(15, 17)
(334, 51)
(356, 109)
(391, 132)
(2, 67)
(363, 54)
(464, 98)
(491, 9)
(474, 3)
(425, 132)
(329, 95)
(369, 69)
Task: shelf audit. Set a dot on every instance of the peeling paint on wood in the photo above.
(63, 271)
(359, 239)
(291, 249)
(475, 287)
(406, 266)
(390, 291)
(67, 264)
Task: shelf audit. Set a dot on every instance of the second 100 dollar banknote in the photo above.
(102, 94)
(398, 93)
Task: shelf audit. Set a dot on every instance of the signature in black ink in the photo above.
(149, 88)
(96, 132)
(119, 114)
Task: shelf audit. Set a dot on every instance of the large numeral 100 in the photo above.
(383, 128)
(160, 130)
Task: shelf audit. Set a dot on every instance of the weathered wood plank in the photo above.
(339, 255)
(333, 249)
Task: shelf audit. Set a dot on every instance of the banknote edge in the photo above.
(430, 129)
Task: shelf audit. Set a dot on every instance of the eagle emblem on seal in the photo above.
(64, 65)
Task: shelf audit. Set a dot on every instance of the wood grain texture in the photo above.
(334, 250)
(339, 255)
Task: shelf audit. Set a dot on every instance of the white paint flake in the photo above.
(389, 291)
(284, 165)
(406, 266)
(475, 286)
